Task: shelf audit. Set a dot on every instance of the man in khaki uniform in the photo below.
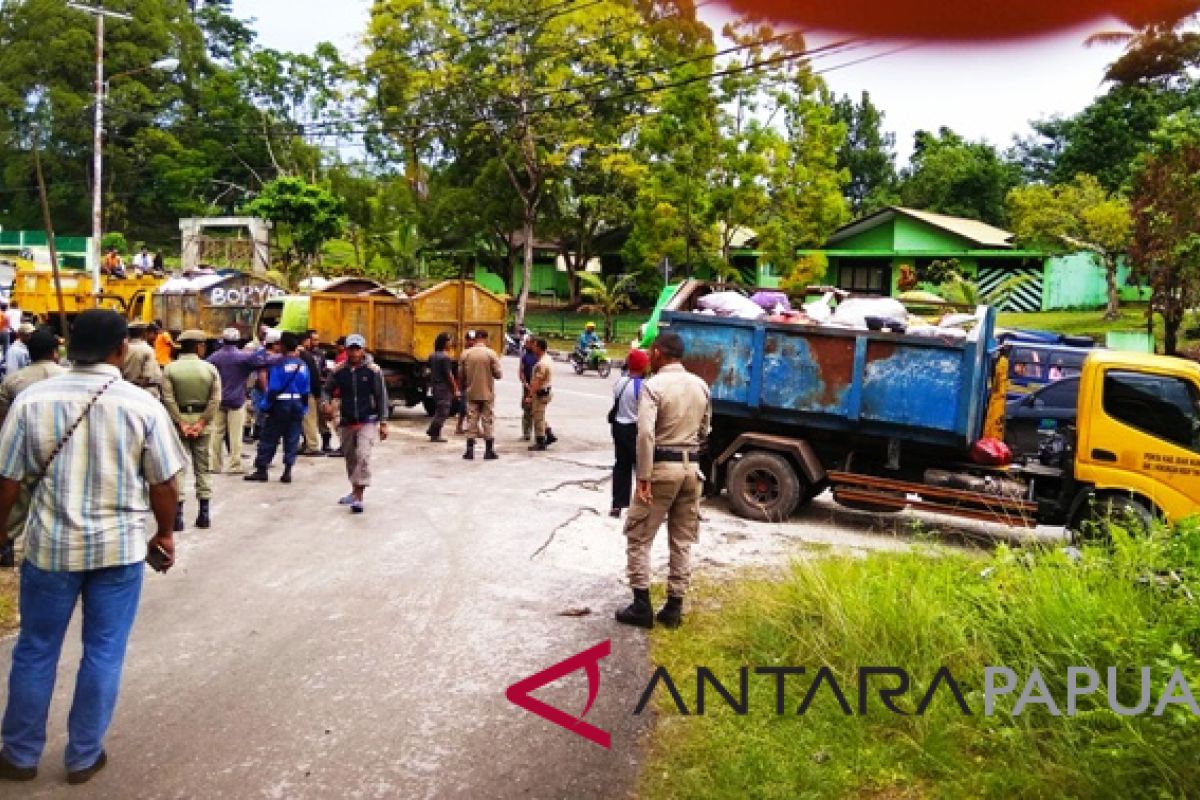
(141, 366)
(674, 412)
(191, 390)
(539, 396)
(479, 370)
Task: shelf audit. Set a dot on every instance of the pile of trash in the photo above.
(861, 313)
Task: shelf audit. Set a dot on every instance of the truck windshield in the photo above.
(1160, 405)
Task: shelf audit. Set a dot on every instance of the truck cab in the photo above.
(1138, 431)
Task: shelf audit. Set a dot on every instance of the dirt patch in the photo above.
(8, 601)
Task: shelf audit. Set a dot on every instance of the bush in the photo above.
(1127, 606)
(110, 240)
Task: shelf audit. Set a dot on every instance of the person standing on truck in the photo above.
(283, 405)
(191, 390)
(141, 367)
(443, 385)
(674, 413)
(314, 361)
(364, 412)
(480, 370)
(624, 419)
(540, 396)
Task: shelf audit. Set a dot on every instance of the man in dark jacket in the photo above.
(443, 384)
(364, 411)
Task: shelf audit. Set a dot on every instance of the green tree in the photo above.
(455, 76)
(868, 155)
(308, 214)
(1161, 52)
(950, 175)
(1072, 217)
(1165, 250)
(609, 296)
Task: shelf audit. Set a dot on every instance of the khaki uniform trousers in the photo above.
(312, 428)
(676, 490)
(480, 419)
(199, 449)
(539, 416)
(231, 421)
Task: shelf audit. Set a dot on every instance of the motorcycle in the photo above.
(596, 358)
(514, 339)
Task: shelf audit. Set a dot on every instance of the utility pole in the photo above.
(98, 135)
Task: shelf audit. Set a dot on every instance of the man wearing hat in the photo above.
(586, 341)
(141, 367)
(43, 352)
(18, 354)
(191, 391)
(364, 412)
(235, 366)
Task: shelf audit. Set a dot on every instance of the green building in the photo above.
(896, 249)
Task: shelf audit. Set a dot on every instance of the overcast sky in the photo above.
(982, 92)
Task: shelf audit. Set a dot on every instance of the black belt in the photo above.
(675, 455)
(193, 408)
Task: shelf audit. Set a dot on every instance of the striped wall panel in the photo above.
(1025, 297)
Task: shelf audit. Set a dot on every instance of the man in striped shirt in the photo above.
(109, 453)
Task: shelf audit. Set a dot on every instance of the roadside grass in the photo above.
(1128, 606)
(1082, 323)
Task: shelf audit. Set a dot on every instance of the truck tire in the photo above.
(763, 486)
(1097, 518)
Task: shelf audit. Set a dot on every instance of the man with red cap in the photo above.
(624, 418)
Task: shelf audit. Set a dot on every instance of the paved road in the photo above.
(301, 652)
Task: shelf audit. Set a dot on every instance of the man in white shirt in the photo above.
(143, 261)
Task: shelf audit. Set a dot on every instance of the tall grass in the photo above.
(1127, 606)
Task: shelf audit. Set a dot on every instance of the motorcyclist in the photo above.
(586, 341)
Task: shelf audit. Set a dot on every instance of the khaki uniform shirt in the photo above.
(480, 368)
(543, 372)
(192, 384)
(141, 366)
(13, 385)
(674, 412)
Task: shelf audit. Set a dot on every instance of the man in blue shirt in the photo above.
(587, 340)
(284, 405)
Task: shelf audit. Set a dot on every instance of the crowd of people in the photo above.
(150, 402)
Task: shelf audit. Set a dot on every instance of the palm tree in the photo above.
(1159, 51)
(609, 296)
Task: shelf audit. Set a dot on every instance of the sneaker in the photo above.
(348, 500)
(356, 507)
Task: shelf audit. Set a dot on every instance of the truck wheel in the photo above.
(764, 487)
(604, 368)
(1109, 511)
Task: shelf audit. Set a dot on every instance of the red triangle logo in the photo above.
(589, 660)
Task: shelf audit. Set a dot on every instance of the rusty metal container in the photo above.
(212, 303)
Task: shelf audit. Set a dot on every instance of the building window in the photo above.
(865, 278)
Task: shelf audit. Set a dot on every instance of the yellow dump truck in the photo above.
(400, 330)
(34, 292)
(210, 302)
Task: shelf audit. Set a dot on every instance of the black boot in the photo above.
(286, 477)
(470, 454)
(639, 612)
(671, 614)
(550, 437)
(179, 526)
(489, 450)
(325, 439)
(202, 519)
(259, 475)
(435, 434)
(540, 444)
